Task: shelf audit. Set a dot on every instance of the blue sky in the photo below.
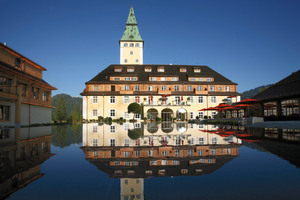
(251, 42)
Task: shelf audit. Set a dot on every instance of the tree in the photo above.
(76, 114)
(134, 133)
(61, 110)
(134, 108)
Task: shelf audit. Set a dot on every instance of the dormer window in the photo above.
(130, 69)
(208, 79)
(182, 69)
(117, 79)
(118, 69)
(137, 45)
(161, 69)
(192, 79)
(163, 79)
(201, 79)
(197, 70)
(174, 78)
(131, 45)
(127, 78)
(126, 45)
(148, 69)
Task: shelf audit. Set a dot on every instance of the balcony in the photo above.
(8, 92)
(166, 103)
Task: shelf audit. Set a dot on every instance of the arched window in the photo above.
(137, 45)
(131, 45)
(125, 45)
(17, 62)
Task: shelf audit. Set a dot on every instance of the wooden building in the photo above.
(164, 91)
(281, 101)
(25, 98)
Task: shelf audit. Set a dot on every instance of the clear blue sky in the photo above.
(251, 42)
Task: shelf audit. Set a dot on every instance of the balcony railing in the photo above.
(166, 103)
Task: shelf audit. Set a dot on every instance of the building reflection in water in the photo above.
(22, 151)
(166, 149)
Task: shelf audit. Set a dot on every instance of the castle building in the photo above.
(165, 91)
(25, 98)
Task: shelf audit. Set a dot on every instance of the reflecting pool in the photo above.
(149, 161)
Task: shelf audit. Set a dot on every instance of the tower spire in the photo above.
(131, 32)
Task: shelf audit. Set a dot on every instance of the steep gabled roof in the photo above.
(170, 70)
(131, 32)
(288, 87)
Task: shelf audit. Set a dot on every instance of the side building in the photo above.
(165, 91)
(25, 98)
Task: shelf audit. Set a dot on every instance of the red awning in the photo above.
(248, 100)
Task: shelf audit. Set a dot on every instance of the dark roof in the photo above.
(288, 87)
(7, 68)
(170, 70)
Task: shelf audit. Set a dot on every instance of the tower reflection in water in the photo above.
(133, 152)
(22, 151)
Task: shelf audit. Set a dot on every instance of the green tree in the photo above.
(76, 114)
(134, 108)
(134, 133)
(61, 110)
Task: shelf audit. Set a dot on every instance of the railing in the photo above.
(8, 89)
(166, 103)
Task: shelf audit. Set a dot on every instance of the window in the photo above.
(133, 78)
(95, 113)
(131, 52)
(17, 62)
(148, 69)
(4, 112)
(150, 88)
(161, 69)
(35, 92)
(112, 113)
(152, 78)
(178, 140)
(95, 99)
(177, 152)
(182, 69)
(190, 152)
(126, 153)
(191, 115)
(131, 45)
(177, 100)
(94, 142)
(191, 99)
(200, 115)
(197, 70)
(125, 60)
(137, 99)
(175, 162)
(45, 96)
(150, 153)
(213, 151)
(174, 78)
(201, 141)
(199, 88)
(192, 141)
(130, 69)
(220, 88)
(112, 142)
(163, 79)
(117, 79)
(113, 88)
(227, 88)
(137, 88)
(192, 79)
(154, 162)
(213, 99)
(208, 79)
(163, 87)
(137, 60)
(200, 152)
(95, 129)
(189, 88)
(117, 69)
(126, 45)
(201, 79)
(214, 140)
(137, 45)
(176, 88)
(126, 142)
(112, 99)
(137, 116)
(126, 87)
(126, 116)
(95, 88)
(200, 100)
(164, 153)
(212, 88)
(112, 128)
(137, 153)
(126, 99)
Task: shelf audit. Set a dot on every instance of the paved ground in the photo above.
(278, 124)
